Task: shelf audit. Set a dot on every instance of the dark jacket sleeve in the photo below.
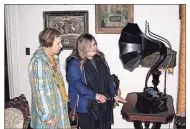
(74, 79)
(113, 89)
(112, 85)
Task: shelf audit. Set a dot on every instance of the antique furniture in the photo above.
(130, 113)
(17, 113)
(151, 105)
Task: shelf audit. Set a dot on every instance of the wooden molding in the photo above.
(181, 102)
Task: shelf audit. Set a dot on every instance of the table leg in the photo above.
(156, 125)
(146, 124)
(138, 125)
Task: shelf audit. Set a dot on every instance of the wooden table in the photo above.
(130, 114)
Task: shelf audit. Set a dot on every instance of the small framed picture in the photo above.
(111, 19)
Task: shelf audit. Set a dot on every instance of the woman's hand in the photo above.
(51, 123)
(118, 99)
(100, 98)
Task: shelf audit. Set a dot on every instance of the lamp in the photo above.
(134, 46)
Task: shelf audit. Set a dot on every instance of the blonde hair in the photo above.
(81, 48)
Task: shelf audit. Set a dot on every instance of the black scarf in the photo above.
(98, 79)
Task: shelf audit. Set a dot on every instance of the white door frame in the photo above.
(11, 27)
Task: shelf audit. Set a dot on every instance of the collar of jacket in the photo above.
(40, 53)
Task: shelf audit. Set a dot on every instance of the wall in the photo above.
(163, 20)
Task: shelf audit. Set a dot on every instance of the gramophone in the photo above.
(134, 47)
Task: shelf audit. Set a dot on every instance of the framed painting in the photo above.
(110, 19)
(71, 24)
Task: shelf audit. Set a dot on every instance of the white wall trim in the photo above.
(11, 25)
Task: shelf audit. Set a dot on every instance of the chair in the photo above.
(17, 113)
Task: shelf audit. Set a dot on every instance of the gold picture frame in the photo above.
(110, 19)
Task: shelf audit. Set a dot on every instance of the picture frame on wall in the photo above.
(111, 19)
(71, 24)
